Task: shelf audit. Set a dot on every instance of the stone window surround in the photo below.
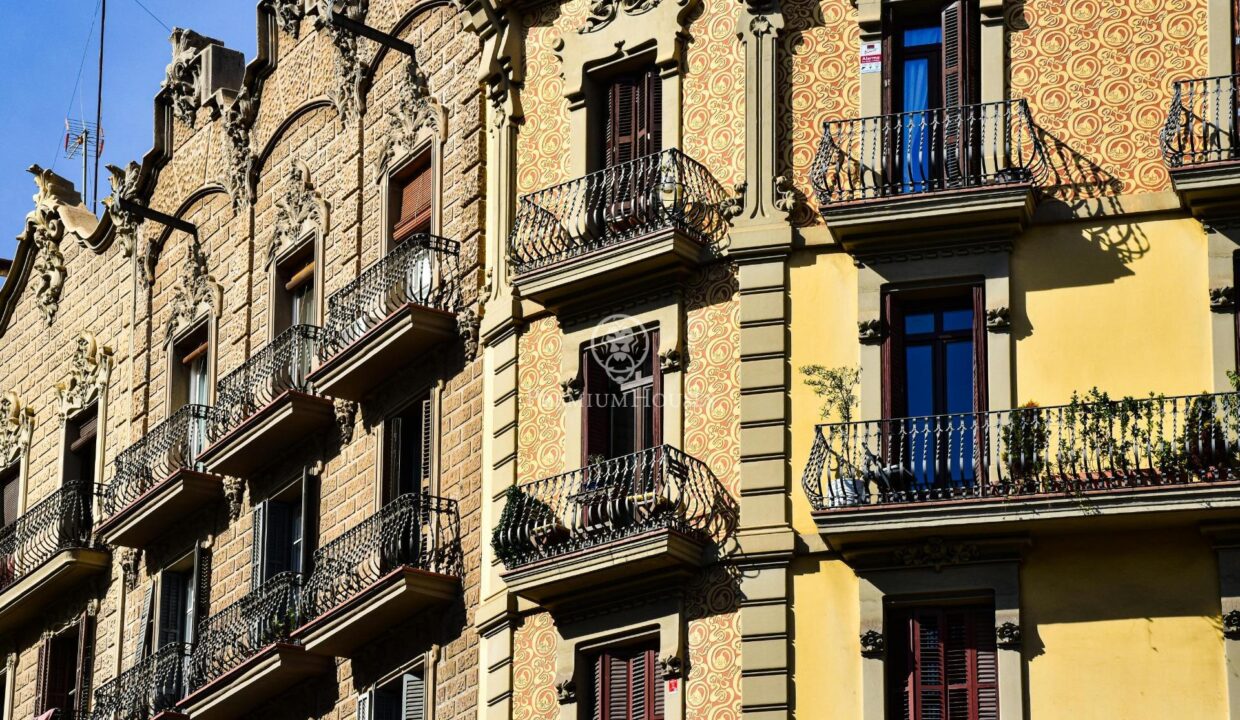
(94, 377)
(428, 141)
(1225, 538)
(10, 677)
(434, 390)
(578, 638)
(992, 268)
(314, 240)
(657, 36)
(1000, 578)
(665, 314)
(211, 321)
(426, 663)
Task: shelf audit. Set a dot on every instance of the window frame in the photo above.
(593, 375)
(423, 666)
(427, 148)
(73, 425)
(899, 611)
(200, 332)
(306, 505)
(425, 405)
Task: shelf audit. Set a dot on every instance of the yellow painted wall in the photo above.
(827, 651)
(1120, 306)
(1123, 626)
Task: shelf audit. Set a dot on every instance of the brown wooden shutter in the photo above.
(945, 666)
(145, 622)
(43, 677)
(309, 519)
(650, 132)
(596, 415)
(395, 432)
(202, 589)
(413, 204)
(11, 493)
(626, 686)
(622, 121)
(981, 394)
(85, 662)
(959, 72)
(426, 444)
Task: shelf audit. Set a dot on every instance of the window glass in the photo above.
(955, 320)
(922, 36)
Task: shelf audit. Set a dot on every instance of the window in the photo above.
(931, 65)
(401, 698)
(295, 295)
(634, 117)
(934, 383)
(176, 604)
(412, 200)
(410, 450)
(64, 669)
(10, 492)
(80, 434)
(190, 378)
(941, 663)
(282, 525)
(621, 395)
(624, 686)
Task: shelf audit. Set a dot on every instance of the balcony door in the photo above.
(934, 390)
(64, 670)
(626, 685)
(941, 663)
(622, 401)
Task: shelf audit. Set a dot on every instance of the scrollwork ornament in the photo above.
(46, 232)
(670, 667)
(873, 645)
(468, 325)
(349, 94)
(90, 366)
(571, 389)
(288, 14)
(1223, 299)
(1008, 636)
(785, 196)
(124, 182)
(301, 210)
(671, 360)
(183, 75)
(735, 205)
(131, 564)
(603, 12)
(196, 293)
(998, 320)
(238, 122)
(16, 428)
(937, 553)
(415, 110)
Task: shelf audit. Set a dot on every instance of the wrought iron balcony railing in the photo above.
(1201, 122)
(61, 521)
(154, 684)
(657, 488)
(416, 529)
(1096, 445)
(971, 146)
(423, 270)
(267, 614)
(279, 367)
(170, 446)
(667, 190)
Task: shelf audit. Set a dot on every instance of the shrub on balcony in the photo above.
(1024, 441)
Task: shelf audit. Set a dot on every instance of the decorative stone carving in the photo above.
(670, 667)
(998, 320)
(1223, 299)
(602, 12)
(349, 94)
(671, 360)
(870, 332)
(90, 366)
(300, 211)
(937, 553)
(47, 231)
(571, 389)
(124, 182)
(785, 196)
(1231, 625)
(239, 155)
(566, 691)
(468, 325)
(131, 564)
(346, 419)
(196, 293)
(234, 495)
(415, 110)
(183, 76)
(735, 205)
(872, 644)
(1007, 636)
(16, 428)
(288, 14)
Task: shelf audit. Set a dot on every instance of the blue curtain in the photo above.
(916, 126)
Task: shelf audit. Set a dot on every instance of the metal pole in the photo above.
(85, 161)
(103, 18)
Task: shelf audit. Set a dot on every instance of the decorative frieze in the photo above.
(16, 428)
(196, 294)
(937, 553)
(300, 211)
(602, 12)
(415, 110)
(90, 366)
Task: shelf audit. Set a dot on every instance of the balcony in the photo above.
(1097, 460)
(931, 180)
(393, 312)
(244, 656)
(150, 688)
(403, 559)
(655, 512)
(639, 221)
(1201, 145)
(157, 481)
(45, 552)
(266, 405)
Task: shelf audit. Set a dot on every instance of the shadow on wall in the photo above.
(800, 17)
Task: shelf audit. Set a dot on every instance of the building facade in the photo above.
(640, 359)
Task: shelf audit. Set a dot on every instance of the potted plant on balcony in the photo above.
(838, 388)
(1024, 441)
(525, 524)
(1205, 445)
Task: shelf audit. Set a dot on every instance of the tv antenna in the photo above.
(83, 139)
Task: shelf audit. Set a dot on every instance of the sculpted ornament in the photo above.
(47, 230)
(299, 212)
(414, 111)
(16, 428)
(468, 323)
(349, 94)
(937, 553)
(196, 293)
(124, 182)
(238, 120)
(346, 417)
(234, 494)
(184, 74)
(90, 366)
(1223, 299)
(872, 644)
(1008, 636)
(998, 320)
(288, 14)
(602, 12)
(566, 691)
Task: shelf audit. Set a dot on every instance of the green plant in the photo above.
(1204, 441)
(521, 513)
(1024, 440)
(838, 388)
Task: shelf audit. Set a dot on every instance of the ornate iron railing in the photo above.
(280, 366)
(171, 445)
(661, 487)
(423, 270)
(267, 614)
(61, 521)
(667, 190)
(1090, 445)
(985, 145)
(154, 684)
(1201, 122)
(416, 529)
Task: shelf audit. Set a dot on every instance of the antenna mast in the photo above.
(94, 202)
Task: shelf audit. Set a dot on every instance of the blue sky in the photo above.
(44, 46)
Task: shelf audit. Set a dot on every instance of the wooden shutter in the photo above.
(626, 686)
(85, 662)
(43, 677)
(144, 624)
(959, 71)
(258, 555)
(413, 200)
(949, 669)
(309, 519)
(11, 494)
(596, 415)
(893, 356)
(655, 399)
(621, 121)
(201, 593)
(414, 697)
(395, 428)
(425, 444)
(650, 129)
(363, 706)
(172, 607)
(980, 378)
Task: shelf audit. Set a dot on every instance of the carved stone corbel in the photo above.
(90, 366)
(16, 428)
(571, 389)
(301, 210)
(124, 182)
(468, 324)
(346, 419)
(671, 667)
(234, 495)
(349, 95)
(566, 691)
(998, 320)
(1008, 636)
(873, 645)
(1223, 299)
(671, 360)
(131, 564)
(47, 230)
(238, 122)
(870, 332)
